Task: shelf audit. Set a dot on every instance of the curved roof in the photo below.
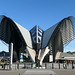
(66, 26)
(26, 35)
(10, 31)
(47, 34)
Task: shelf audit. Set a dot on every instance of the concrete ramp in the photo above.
(39, 72)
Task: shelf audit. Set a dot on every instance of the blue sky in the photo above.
(44, 13)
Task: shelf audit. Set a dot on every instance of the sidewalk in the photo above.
(64, 71)
(12, 72)
(22, 71)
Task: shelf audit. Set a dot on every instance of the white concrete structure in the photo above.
(11, 55)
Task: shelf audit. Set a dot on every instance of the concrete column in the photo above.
(11, 55)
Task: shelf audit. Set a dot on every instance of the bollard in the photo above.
(24, 65)
(7, 66)
(45, 66)
(63, 65)
(31, 66)
(59, 65)
(17, 65)
(3, 66)
(72, 65)
(52, 66)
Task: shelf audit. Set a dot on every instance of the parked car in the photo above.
(4, 62)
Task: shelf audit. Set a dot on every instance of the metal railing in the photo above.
(18, 66)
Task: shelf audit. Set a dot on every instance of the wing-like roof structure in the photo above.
(10, 31)
(58, 36)
(47, 34)
(67, 28)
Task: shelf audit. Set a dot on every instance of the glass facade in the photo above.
(36, 34)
